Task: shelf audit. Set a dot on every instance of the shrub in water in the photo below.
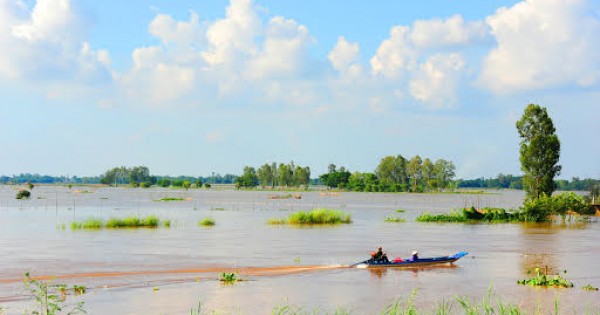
(23, 194)
(207, 222)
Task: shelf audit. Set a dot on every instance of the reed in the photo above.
(170, 199)
(91, 223)
(115, 223)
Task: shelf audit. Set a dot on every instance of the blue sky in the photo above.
(195, 87)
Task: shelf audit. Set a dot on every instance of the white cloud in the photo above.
(46, 44)
(395, 54)
(435, 82)
(344, 57)
(233, 37)
(452, 31)
(283, 52)
(177, 32)
(543, 43)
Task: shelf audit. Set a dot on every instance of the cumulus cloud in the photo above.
(233, 37)
(344, 57)
(46, 42)
(452, 31)
(541, 44)
(435, 82)
(284, 50)
(395, 54)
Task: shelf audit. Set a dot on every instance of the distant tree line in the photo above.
(516, 182)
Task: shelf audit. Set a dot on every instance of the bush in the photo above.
(540, 209)
(319, 216)
(23, 194)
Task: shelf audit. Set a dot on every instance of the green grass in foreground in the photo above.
(314, 217)
(207, 222)
(115, 223)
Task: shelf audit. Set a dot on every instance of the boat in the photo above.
(420, 262)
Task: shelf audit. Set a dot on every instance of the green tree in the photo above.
(391, 172)
(301, 176)
(187, 184)
(539, 152)
(249, 179)
(265, 175)
(428, 172)
(415, 173)
(444, 173)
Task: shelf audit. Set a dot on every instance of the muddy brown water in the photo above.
(171, 270)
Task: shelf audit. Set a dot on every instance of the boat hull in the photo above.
(422, 262)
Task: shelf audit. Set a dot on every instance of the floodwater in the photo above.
(171, 270)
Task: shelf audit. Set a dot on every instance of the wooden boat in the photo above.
(420, 262)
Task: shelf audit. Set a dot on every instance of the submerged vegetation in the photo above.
(23, 194)
(314, 217)
(128, 222)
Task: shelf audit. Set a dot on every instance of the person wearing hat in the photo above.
(415, 255)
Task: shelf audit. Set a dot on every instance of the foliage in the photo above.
(50, 299)
(336, 178)
(23, 194)
(542, 280)
(207, 222)
(125, 175)
(30, 186)
(167, 223)
(540, 209)
(228, 277)
(539, 151)
(187, 184)
(249, 179)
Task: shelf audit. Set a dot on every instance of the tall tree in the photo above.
(539, 152)
(414, 172)
(265, 175)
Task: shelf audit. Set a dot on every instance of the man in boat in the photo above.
(379, 255)
(415, 255)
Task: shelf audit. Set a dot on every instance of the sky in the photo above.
(196, 87)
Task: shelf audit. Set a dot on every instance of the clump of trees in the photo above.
(133, 176)
(395, 174)
(275, 175)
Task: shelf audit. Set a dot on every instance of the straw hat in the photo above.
(414, 252)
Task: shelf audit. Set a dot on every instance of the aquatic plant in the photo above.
(207, 222)
(228, 277)
(543, 280)
(276, 221)
(400, 210)
(79, 289)
(92, 223)
(167, 223)
(394, 219)
(319, 216)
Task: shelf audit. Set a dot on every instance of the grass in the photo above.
(116, 223)
(400, 210)
(167, 223)
(170, 199)
(453, 216)
(92, 223)
(315, 217)
(543, 280)
(207, 222)
(394, 219)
